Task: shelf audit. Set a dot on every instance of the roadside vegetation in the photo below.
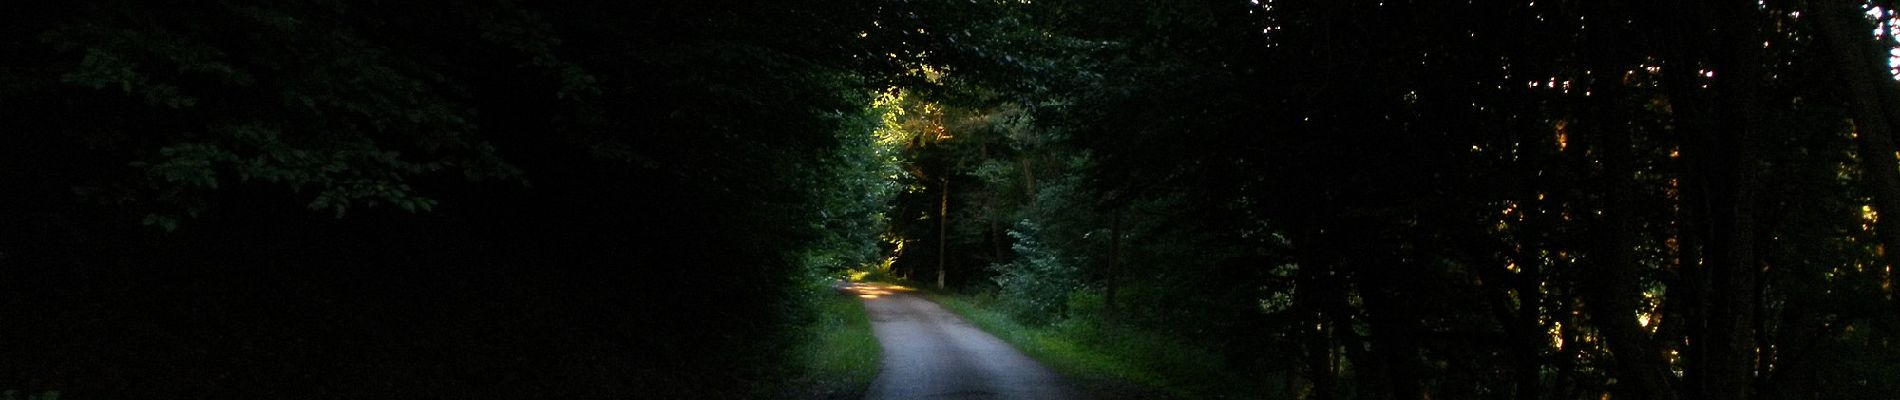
(840, 355)
(1109, 362)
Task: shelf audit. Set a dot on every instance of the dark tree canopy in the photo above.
(491, 199)
(1316, 199)
(1422, 200)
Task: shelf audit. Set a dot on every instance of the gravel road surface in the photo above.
(931, 353)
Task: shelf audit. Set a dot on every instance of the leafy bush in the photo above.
(1036, 286)
(1086, 303)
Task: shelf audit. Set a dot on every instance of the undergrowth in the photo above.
(1111, 362)
(840, 356)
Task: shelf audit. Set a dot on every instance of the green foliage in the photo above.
(307, 100)
(839, 356)
(1037, 285)
(1331, 194)
(851, 190)
(736, 140)
(1112, 362)
(17, 395)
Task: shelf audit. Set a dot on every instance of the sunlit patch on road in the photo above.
(875, 290)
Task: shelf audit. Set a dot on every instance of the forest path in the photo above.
(931, 353)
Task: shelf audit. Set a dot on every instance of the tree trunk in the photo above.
(1110, 305)
(1394, 333)
(943, 223)
(1613, 291)
(1310, 292)
(1689, 29)
(1029, 178)
(1323, 290)
(1531, 340)
(1566, 385)
(1734, 270)
(1862, 66)
(1368, 370)
(989, 207)
(1611, 294)
(1523, 334)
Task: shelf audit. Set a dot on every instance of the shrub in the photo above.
(1035, 288)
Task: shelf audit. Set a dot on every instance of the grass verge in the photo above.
(841, 356)
(1109, 363)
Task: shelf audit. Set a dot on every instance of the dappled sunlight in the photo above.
(873, 290)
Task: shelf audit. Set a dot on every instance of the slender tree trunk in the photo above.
(943, 224)
(1689, 29)
(1522, 332)
(1693, 287)
(1567, 386)
(1679, 306)
(1029, 178)
(1310, 291)
(1368, 370)
(989, 206)
(1525, 338)
(1394, 334)
(1612, 292)
(996, 240)
(1111, 306)
(1734, 270)
(1531, 341)
(1324, 283)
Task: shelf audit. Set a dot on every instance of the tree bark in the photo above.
(1310, 292)
(1734, 270)
(1396, 343)
(1566, 385)
(1110, 305)
(943, 223)
(1690, 30)
(1394, 332)
(989, 207)
(1523, 333)
(1613, 291)
(1862, 66)
(1323, 288)
(1029, 179)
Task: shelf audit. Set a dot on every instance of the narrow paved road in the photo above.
(931, 353)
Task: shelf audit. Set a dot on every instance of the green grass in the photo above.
(1110, 363)
(841, 356)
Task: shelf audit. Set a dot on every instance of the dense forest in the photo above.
(1331, 199)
